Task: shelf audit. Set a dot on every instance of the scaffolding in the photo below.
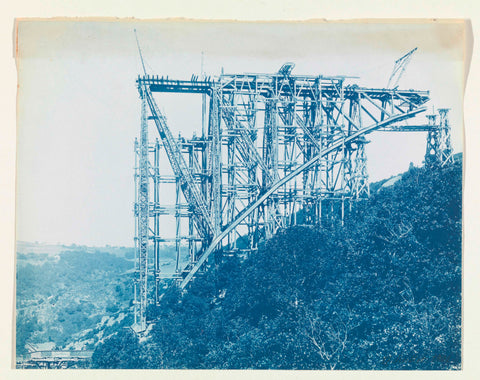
(439, 146)
(275, 150)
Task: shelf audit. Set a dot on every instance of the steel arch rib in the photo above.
(252, 206)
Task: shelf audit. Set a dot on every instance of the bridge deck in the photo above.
(302, 86)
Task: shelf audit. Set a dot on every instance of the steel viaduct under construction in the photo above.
(275, 148)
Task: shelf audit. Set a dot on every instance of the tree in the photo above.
(381, 292)
(122, 351)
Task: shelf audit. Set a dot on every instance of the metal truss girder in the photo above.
(161, 84)
(261, 85)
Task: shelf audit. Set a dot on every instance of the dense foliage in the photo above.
(62, 298)
(383, 291)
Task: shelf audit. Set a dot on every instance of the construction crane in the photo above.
(399, 68)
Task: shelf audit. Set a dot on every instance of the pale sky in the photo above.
(79, 111)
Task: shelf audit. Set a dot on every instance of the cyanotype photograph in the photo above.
(239, 195)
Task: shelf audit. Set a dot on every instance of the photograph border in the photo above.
(470, 278)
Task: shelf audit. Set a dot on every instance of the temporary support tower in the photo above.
(279, 149)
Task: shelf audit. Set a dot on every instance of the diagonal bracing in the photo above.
(280, 149)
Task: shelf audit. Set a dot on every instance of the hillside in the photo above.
(383, 291)
(60, 295)
(72, 297)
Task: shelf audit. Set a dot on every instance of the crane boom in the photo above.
(399, 68)
(140, 52)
